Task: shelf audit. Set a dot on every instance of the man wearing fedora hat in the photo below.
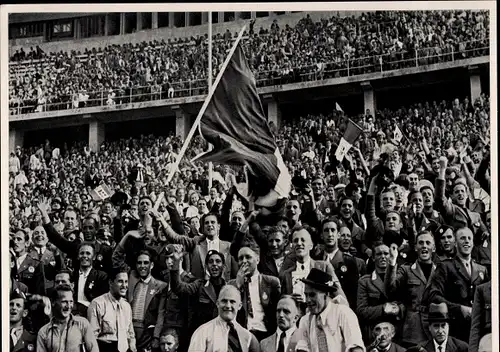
(439, 328)
(327, 327)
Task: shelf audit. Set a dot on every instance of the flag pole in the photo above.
(204, 107)
(210, 164)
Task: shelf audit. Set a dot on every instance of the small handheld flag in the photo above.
(351, 134)
(101, 192)
(338, 108)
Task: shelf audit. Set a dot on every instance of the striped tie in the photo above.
(139, 301)
(321, 336)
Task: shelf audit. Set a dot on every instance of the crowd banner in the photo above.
(351, 134)
(101, 192)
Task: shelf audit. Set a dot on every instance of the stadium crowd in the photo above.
(332, 47)
(388, 250)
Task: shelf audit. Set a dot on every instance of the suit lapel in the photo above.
(377, 282)
(25, 264)
(337, 259)
(152, 287)
(417, 270)
(461, 269)
(432, 273)
(19, 345)
(475, 272)
(203, 249)
(210, 291)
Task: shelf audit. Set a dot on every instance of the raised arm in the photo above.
(443, 205)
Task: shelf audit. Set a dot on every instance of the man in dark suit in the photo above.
(71, 248)
(147, 297)
(410, 282)
(89, 282)
(21, 340)
(347, 210)
(455, 211)
(49, 263)
(202, 293)
(374, 305)
(454, 282)
(481, 316)
(28, 268)
(439, 328)
(345, 245)
(345, 265)
(260, 293)
(384, 333)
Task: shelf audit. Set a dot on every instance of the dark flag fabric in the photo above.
(235, 124)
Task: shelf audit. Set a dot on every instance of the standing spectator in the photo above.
(110, 316)
(64, 328)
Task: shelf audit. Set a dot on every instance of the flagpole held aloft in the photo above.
(210, 164)
(204, 107)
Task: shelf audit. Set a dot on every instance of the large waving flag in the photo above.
(235, 124)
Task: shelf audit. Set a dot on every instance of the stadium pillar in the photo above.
(154, 20)
(475, 83)
(181, 123)
(369, 98)
(237, 15)
(253, 15)
(16, 138)
(273, 110)
(220, 17)
(106, 25)
(122, 23)
(96, 135)
(171, 20)
(139, 21)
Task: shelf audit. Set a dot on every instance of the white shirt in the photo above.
(213, 244)
(288, 335)
(82, 279)
(279, 262)
(306, 267)
(20, 260)
(257, 321)
(443, 345)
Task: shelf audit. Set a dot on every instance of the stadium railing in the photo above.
(345, 67)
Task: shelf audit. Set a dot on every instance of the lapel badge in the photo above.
(403, 255)
(477, 224)
(12, 264)
(152, 292)
(264, 296)
(327, 210)
(481, 275)
(53, 262)
(91, 285)
(343, 268)
(31, 269)
(31, 347)
(374, 276)
(99, 257)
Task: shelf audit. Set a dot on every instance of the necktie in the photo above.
(281, 344)
(233, 339)
(467, 267)
(139, 301)
(248, 298)
(321, 336)
(440, 348)
(121, 333)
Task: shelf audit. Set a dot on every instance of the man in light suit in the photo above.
(290, 278)
(327, 326)
(260, 293)
(224, 332)
(285, 339)
(147, 297)
(439, 328)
